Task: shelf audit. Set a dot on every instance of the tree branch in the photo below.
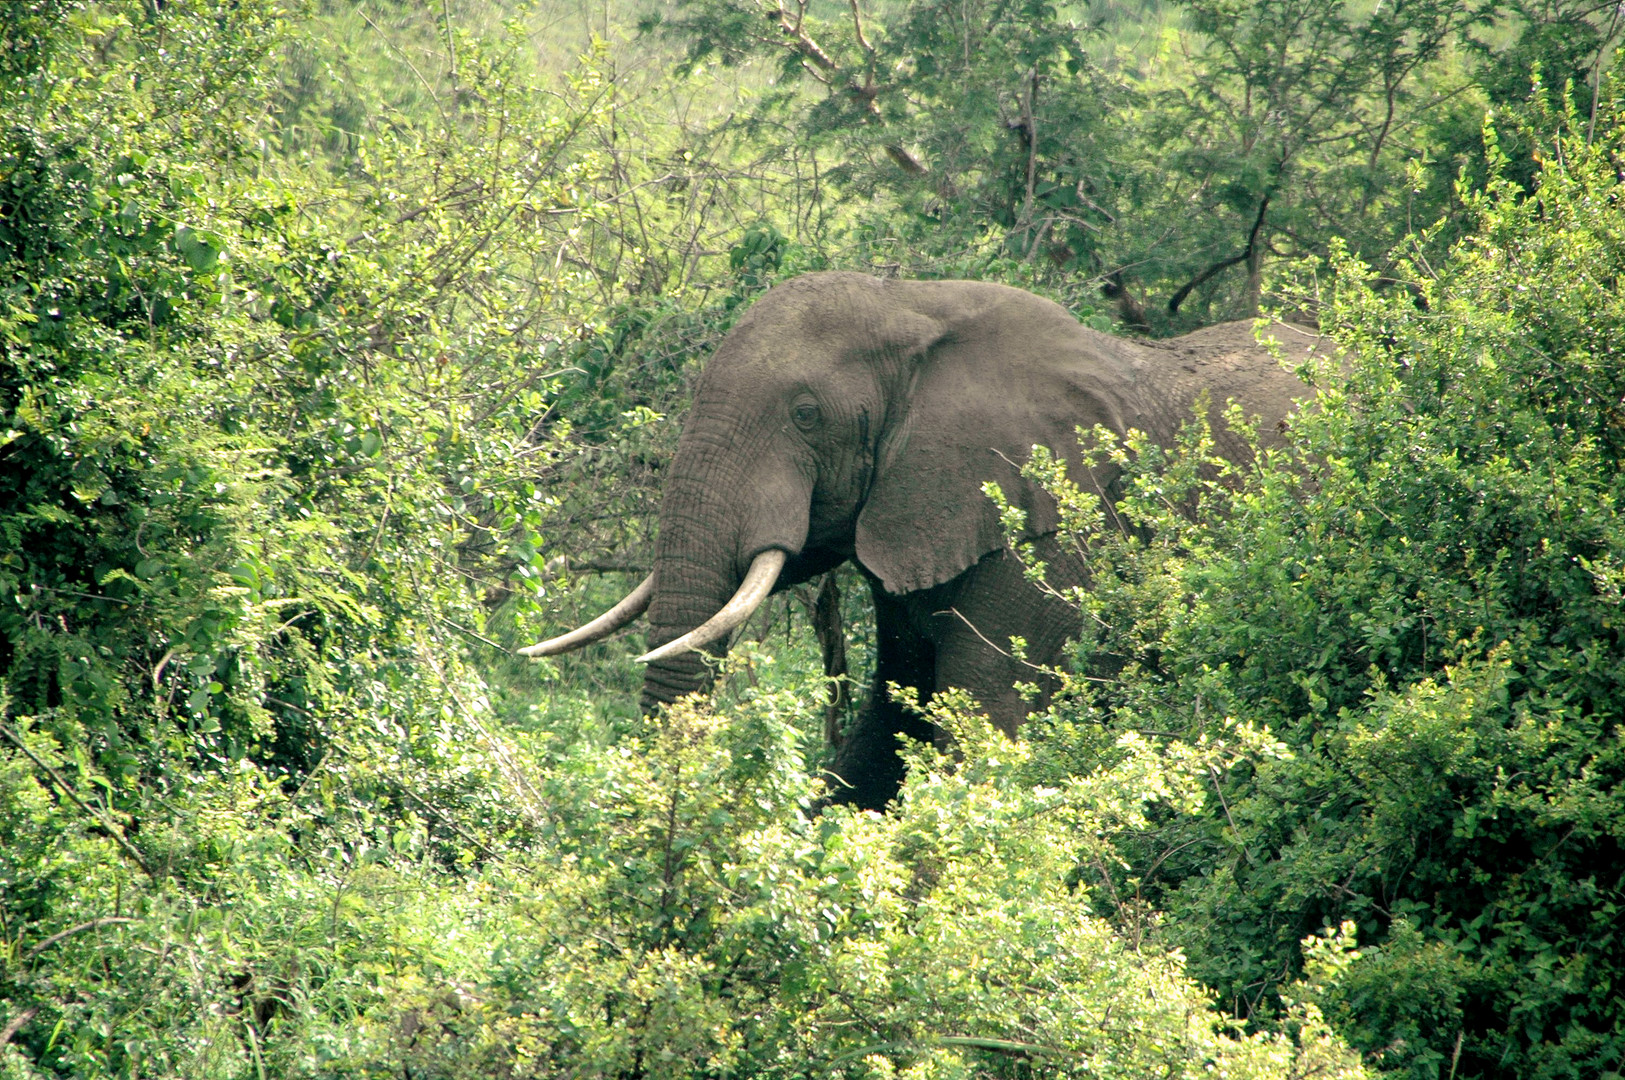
(1252, 240)
(826, 622)
(905, 160)
(809, 48)
(18, 1021)
(1129, 307)
(70, 931)
(1030, 103)
(62, 785)
(857, 25)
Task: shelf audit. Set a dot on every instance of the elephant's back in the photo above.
(1228, 363)
(1233, 346)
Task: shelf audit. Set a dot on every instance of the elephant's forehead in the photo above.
(797, 345)
(798, 313)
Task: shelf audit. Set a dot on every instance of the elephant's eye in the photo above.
(805, 414)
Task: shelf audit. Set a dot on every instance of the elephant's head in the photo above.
(850, 417)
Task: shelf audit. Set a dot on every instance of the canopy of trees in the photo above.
(341, 347)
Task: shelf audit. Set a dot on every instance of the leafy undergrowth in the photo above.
(665, 907)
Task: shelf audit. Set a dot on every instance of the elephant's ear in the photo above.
(1019, 372)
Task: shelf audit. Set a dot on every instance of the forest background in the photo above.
(341, 346)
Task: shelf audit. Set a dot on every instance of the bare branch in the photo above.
(17, 1022)
(69, 932)
(857, 25)
(809, 48)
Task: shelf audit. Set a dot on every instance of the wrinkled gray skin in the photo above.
(851, 418)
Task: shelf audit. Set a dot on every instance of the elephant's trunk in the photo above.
(728, 499)
(687, 594)
(673, 669)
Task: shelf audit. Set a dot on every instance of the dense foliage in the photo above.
(1423, 602)
(1161, 154)
(340, 351)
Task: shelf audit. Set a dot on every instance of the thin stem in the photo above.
(62, 785)
(1596, 94)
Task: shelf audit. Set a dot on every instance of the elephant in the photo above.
(848, 418)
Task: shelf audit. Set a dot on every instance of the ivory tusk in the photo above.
(764, 571)
(635, 604)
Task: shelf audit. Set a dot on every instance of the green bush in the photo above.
(270, 454)
(1422, 599)
(695, 921)
(677, 913)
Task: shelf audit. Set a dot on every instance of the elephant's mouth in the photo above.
(833, 525)
(758, 583)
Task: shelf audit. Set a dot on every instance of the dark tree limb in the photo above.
(1219, 267)
(905, 160)
(592, 566)
(832, 645)
(65, 788)
(1129, 308)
